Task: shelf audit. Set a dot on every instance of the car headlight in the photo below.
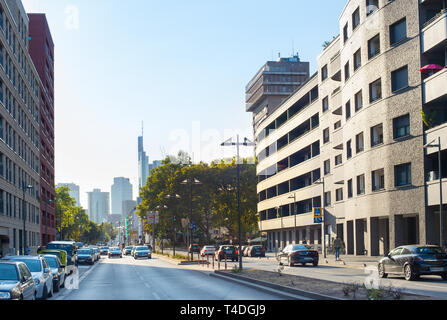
(5, 295)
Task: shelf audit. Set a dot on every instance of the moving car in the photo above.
(103, 251)
(16, 281)
(413, 261)
(86, 255)
(194, 248)
(298, 253)
(71, 249)
(115, 252)
(96, 252)
(256, 251)
(141, 252)
(57, 270)
(127, 250)
(227, 250)
(40, 271)
(208, 251)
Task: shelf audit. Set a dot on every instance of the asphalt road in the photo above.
(154, 279)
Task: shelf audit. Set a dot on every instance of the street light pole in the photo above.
(190, 182)
(237, 144)
(174, 196)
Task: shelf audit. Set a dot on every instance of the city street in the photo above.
(154, 279)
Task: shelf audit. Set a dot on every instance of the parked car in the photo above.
(115, 252)
(298, 253)
(86, 255)
(57, 271)
(96, 252)
(414, 261)
(245, 251)
(103, 251)
(61, 254)
(16, 281)
(127, 250)
(40, 271)
(70, 248)
(256, 251)
(208, 251)
(141, 252)
(194, 248)
(227, 250)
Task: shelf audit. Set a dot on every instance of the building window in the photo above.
(338, 160)
(401, 126)
(378, 180)
(358, 101)
(402, 174)
(345, 33)
(371, 6)
(375, 90)
(339, 194)
(356, 19)
(327, 199)
(325, 104)
(348, 110)
(376, 135)
(326, 135)
(337, 125)
(347, 75)
(327, 167)
(361, 184)
(324, 73)
(374, 46)
(357, 59)
(349, 188)
(398, 31)
(349, 149)
(359, 143)
(399, 79)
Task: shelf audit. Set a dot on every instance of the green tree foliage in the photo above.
(214, 200)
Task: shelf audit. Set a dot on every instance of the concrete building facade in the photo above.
(355, 129)
(98, 205)
(41, 48)
(121, 191)
(19, 134)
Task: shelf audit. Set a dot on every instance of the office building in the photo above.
(98, 205)
(121, 191)
(41, 49)
(74, 191)
(19, 134)
(356, 125)
(143, 164)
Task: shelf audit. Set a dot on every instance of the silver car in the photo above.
(57, 270)
(142, 252)
(40, 271)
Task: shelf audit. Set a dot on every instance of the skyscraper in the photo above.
(98, 205)
(121, 191)
(143, 164)
(74, 191)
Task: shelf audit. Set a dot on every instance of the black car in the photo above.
(230, 252)
(16, 281)
(256, 251)
(86, 255)
(412, 261)
(298, 253)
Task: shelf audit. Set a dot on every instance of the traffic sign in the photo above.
(192, 226)
(318, 215)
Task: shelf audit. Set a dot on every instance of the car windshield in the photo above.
(8, 272)
(142, 248)
(84, 252)
(59, 246)
(257, 247)
(227, 248)
(114, 249)
(300, 247)
(429, 250)
(52, 262)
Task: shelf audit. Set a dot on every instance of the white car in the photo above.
(208, 251)
(41, 272)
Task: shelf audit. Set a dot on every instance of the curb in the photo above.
(283, 290)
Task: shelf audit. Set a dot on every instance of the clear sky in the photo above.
(179, 66)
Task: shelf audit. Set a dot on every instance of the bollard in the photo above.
(218, 262)
(208, 261)
(214, 257)
(225, 261)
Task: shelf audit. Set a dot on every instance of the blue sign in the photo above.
(192, 226)
(318, 215)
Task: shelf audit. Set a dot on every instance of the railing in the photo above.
(443, 11)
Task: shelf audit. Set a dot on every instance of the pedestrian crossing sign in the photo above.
(318, 215)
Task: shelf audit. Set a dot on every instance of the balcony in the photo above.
(434, 87)
(433, 192)
(434, 31)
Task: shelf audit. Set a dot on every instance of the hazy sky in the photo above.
(179, 66)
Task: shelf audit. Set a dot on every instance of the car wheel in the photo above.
(444, 276)
(315, 263)
(58, 286)
(382, 273)
(409, 273)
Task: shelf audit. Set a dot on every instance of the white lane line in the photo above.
(67, 292)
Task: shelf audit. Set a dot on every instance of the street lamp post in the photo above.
(246, 143)
(24, 188)
(153, 228)
(321, 181)
(174, 196)
(441, 220)
(190, 182)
